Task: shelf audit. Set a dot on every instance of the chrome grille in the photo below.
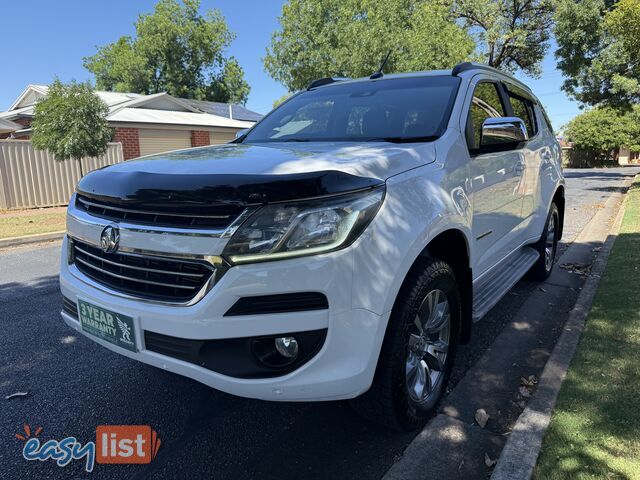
(215, 217)
(145, 276)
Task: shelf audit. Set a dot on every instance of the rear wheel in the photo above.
(418, 350)
(547, 246)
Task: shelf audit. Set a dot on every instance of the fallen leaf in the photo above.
(481, 417)
(488, 462)
(16, 395)
(577, 268)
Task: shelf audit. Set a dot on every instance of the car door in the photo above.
(534, 152)
(495, 180)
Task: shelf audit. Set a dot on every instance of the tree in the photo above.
(598, 50)
(71, 122)
(229, 86)
(175, 50)
(278, 101)
(510, 34)
(350, 38)
(605, 129)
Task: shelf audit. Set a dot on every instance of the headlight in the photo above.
(304, 228)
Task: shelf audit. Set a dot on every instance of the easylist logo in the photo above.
(115, 444)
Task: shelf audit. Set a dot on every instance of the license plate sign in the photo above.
(113, 327)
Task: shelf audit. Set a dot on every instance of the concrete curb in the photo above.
(39, 237)
(520, 454)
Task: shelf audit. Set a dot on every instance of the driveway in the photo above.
(74, 385)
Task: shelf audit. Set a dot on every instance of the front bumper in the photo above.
(343, 368)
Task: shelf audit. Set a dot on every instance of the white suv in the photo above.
(340, 249)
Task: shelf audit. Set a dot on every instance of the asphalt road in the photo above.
(74, 385)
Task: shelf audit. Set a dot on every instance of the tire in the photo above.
(395, 398)
(547, 246)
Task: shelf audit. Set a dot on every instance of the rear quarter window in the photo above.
(546, 119)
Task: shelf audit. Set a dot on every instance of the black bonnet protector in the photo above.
(180, 192)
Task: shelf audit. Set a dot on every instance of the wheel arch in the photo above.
(452, 246)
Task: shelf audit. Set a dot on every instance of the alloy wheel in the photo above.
(428, 347)
(550, 243)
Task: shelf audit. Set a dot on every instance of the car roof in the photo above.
(466, 68)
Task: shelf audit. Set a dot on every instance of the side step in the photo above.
(491, 287)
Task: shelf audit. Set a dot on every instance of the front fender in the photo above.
(418, 207)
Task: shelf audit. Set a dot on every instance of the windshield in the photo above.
(396, 110)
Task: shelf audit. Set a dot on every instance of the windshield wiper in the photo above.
(402, 139)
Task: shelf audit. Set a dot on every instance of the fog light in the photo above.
(287, 346)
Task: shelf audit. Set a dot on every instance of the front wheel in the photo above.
(418, 351)
(547, 246)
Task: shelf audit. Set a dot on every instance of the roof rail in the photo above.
(324, 81)
(465, 66)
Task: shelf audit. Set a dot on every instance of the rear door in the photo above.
(536, 153)
(495, 177)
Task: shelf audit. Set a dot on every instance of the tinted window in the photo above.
(402, 108)
(523, 110)
(546, 119)
(485, 104)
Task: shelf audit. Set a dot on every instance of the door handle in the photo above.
(520, 167)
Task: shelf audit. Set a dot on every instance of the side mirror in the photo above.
(241, 133)
(503, 131)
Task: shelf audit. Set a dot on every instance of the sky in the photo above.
(48, 39)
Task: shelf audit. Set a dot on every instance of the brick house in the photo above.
(147, 124)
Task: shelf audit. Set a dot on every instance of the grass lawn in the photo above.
(595, 429)
(28, 222)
